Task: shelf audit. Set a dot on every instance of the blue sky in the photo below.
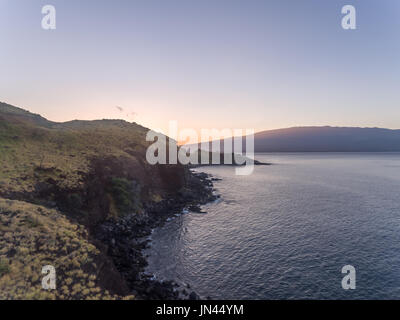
(208, 64)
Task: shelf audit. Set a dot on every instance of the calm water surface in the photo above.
(286, 231)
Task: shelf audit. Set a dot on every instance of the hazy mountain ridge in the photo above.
(328, 139)
(324, 139)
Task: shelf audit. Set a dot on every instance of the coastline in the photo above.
(92, 176)
(127, 239)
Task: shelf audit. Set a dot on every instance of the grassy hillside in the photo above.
(31, 146)
(58, 181)
(32, 237)
(75, 162)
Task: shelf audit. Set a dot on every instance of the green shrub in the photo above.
(75, 200)
(126, 195)
(4, 267)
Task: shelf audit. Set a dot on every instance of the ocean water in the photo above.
(286, 231)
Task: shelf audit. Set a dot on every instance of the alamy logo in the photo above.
(49, 281)
(238, 147)
(49, 20)
(349, 280)
(349, 20)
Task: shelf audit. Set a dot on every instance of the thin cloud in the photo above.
(127, 114)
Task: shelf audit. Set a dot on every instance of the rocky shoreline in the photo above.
(127, 238)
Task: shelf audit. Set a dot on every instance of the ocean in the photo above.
(286, 231)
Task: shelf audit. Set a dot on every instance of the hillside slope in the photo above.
(47, 163)
(82, 174)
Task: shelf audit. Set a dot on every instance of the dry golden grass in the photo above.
(33, 236)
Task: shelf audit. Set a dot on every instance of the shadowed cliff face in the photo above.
(84, 167)
(87, 171)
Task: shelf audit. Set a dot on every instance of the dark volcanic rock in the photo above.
(193, 296)
(125, 238)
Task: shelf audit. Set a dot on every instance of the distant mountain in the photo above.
(325, 139)
(328, 139)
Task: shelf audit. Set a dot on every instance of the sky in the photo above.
(255, 64)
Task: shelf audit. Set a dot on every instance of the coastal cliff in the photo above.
(81, 196)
